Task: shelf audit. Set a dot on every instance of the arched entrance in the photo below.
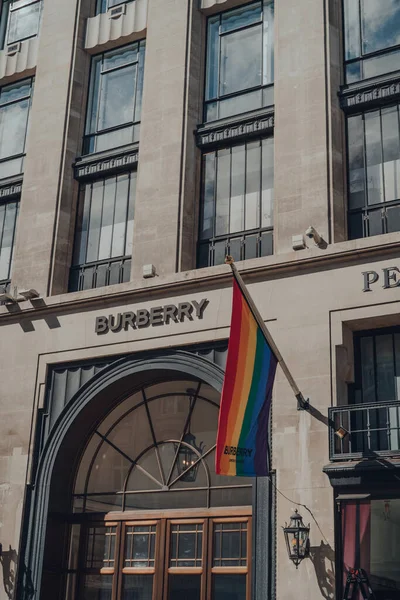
(127, 504)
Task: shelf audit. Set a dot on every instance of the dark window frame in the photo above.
(5, 14)
(363, 213)
(238, 236)
(356, 387)
(110, 270)
(363, 56)
(29, 97)
(102, 5)
(244, 92)
(91, 137)
(5, 282)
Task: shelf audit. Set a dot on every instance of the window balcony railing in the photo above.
(100, 273)
(364, 430)
(242, 246)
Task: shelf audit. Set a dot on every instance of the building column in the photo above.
(45, 221)
(166, 197)
(301, 122)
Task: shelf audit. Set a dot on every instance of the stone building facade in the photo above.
(140, 142)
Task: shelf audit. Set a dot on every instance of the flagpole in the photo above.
(302, 403)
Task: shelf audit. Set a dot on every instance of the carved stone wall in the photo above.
(102, 30)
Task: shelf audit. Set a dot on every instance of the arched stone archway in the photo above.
(49, 496)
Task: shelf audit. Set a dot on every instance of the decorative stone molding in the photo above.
(23, 61)
(205, 4)
(10, 190)
(218, 134)
(102, 30)
(89, 167)
(377, 93)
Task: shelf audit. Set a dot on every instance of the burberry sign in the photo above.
(158, 315)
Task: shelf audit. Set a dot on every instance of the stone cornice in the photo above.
(254, 270)
(218, 134)
(95, 165)
(382, 91)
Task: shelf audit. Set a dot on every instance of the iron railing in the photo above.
(364, 430)
(100, 273)
(242, 246)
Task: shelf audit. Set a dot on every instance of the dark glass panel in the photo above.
(393, 219)
(267, 244)
(379, 65)
(101, 275)
(355, 132)
(223, 192)
(253, 184)
(87, 278)
(212, 58)
(137, 587)
(228, 587)
(24, 22)
(220, 252)
(353, 72)
(250, 246)
(367, 369)
(235, 248)
(375, 222)
(182, 587)
(268, 48)
(126, 270)
(103, 503)
(356, 226)
(95, 219)
(373, 153)
(232, 497)
(237, 189)
(97, 587)
(207, 228)
(165, 500)
(385, 368)
(352, 29)
(203, 256)
(391, 152)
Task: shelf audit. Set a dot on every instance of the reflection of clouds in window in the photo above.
(381, 24)
(240, 61)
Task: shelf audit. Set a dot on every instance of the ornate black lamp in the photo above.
(189, 451)
(188, 457)
(297, 538)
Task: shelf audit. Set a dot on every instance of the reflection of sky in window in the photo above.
(380, 22)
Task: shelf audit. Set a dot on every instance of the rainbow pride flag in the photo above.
(242, 439)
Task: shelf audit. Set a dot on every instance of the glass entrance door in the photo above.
(204, 558)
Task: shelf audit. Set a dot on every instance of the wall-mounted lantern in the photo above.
(297, 538)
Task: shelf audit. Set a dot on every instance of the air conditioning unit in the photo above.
(13, 48)
(117, 11)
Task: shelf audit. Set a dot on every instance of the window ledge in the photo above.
(106, 163)
(372, 92)
(102, 32)
(21, 64)
(252, 124)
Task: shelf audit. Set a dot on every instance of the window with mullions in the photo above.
(377, 367)
(237, 203)
(8, 221)
(15, 103)
(240, 61)
(105, 5)
(20, 20)
(372, 43)
(374, 172)
(115, 99)
(163, 559)
(104, 232)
